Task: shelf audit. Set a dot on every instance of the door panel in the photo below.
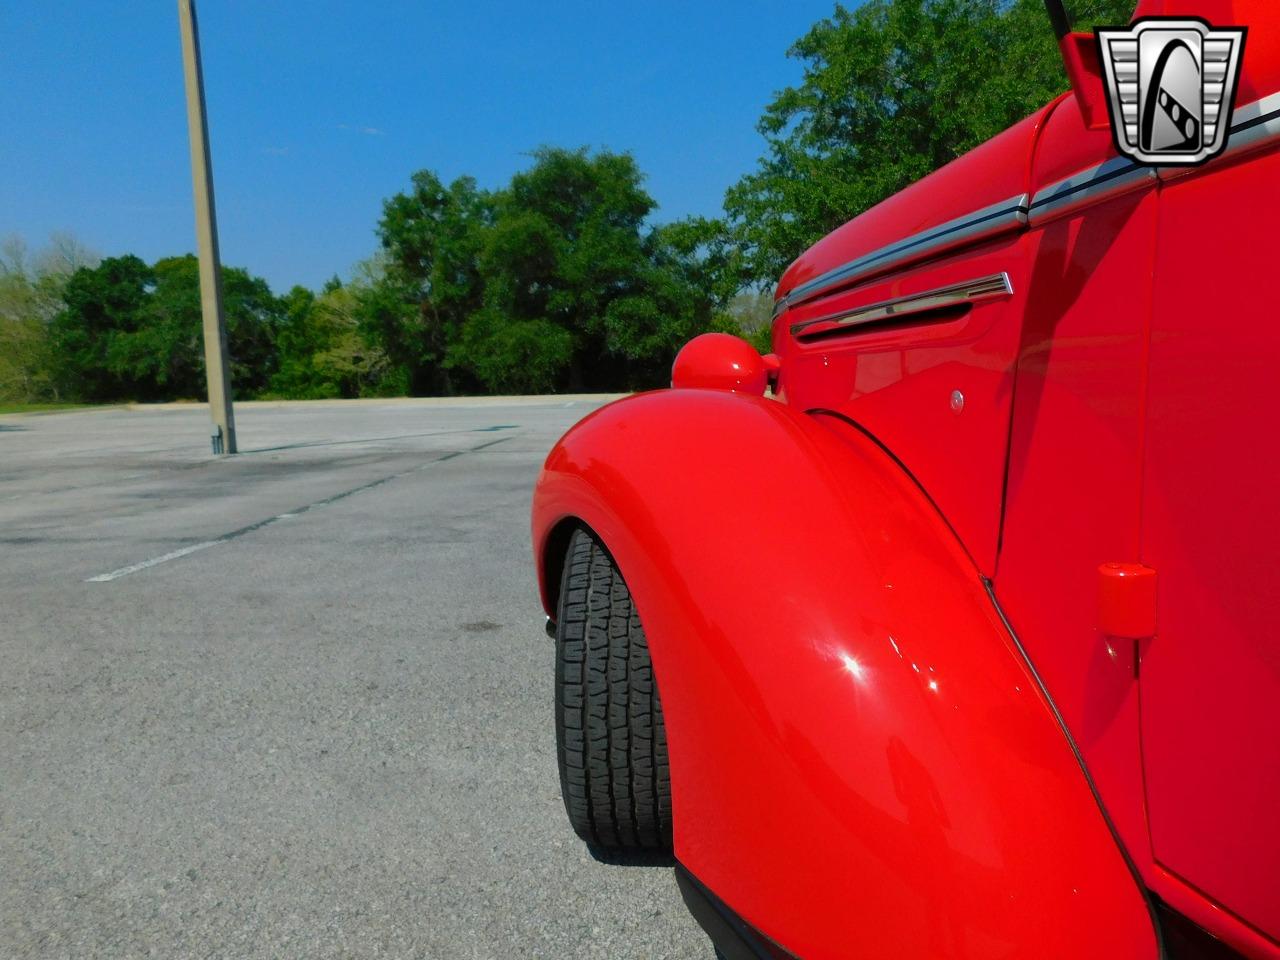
(1074, 475)
(1210, 680)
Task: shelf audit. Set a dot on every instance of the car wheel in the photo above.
(611, 743)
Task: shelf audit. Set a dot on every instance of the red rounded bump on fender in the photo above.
(720, 361)
(1127, 600)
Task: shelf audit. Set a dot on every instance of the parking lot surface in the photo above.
(294, 703)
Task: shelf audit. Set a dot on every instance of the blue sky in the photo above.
(319, 110)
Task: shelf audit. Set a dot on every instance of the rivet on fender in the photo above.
(1127, 600)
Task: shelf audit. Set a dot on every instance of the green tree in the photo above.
(130, 331)
(321, 351)
(892, 90)
(347, 359)
(555, 281)
(24, 343)
(594, 297)
(297, 341)
(31, 289)
(572, 227)
(101, 304)
(427, 282)
(514, 356)
(679, 291)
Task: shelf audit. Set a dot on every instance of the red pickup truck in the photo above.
(966, 636)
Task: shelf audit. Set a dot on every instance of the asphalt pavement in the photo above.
(293, 703)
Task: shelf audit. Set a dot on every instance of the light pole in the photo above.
(216, 363)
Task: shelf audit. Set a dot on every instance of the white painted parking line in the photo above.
(172, 555)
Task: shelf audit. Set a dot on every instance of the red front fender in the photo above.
(862, 762)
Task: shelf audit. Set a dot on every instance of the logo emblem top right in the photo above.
(1171, 87)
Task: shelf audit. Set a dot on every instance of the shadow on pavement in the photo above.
(632, 858)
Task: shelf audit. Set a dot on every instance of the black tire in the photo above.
(611, 743)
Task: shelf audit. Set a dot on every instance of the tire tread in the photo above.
(611, 741)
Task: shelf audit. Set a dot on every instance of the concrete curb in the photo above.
(539, 400)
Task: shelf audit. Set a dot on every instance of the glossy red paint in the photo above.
(719, 361)
(1079, 487)
(898, 381)
(1072, 494)
(1112, 417)
(1126, 601)
(1080, 57)
(1211, 677)
(860, 759)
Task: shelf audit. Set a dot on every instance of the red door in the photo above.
(1210, 680)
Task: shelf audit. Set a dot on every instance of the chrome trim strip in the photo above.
(1254, 123)
(972, 226)
(971, 291)
(1251, 125)
(1118, 175)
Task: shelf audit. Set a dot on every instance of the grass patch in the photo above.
(7, 407)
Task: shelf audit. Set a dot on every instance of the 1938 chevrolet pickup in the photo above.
(967, 637)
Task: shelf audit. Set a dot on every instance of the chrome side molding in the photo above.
(1092, 185)
(971, 291)
(981, 224)
(1253, 125)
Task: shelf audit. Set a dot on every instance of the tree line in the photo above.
(562, 279)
